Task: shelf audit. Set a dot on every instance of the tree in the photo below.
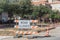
(1, 9)
(25, 6)
(35, 11)
(40, 11)
(44, 10)
(55, 15)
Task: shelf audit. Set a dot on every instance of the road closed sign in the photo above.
(24, 24)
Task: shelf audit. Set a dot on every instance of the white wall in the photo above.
(55, 6)
(49, 1)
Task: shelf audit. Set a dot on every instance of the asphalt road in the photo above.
(55, 35)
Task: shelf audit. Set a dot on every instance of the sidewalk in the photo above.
(55, 35)
(4, 37)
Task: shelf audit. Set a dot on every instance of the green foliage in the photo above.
(23, 8)
(41, 10)
(44, 10)
(55, 15)
(35, 11)
(1, 10)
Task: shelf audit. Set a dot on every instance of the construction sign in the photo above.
(24, 24)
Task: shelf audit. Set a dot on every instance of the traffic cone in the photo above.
(47, 32)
